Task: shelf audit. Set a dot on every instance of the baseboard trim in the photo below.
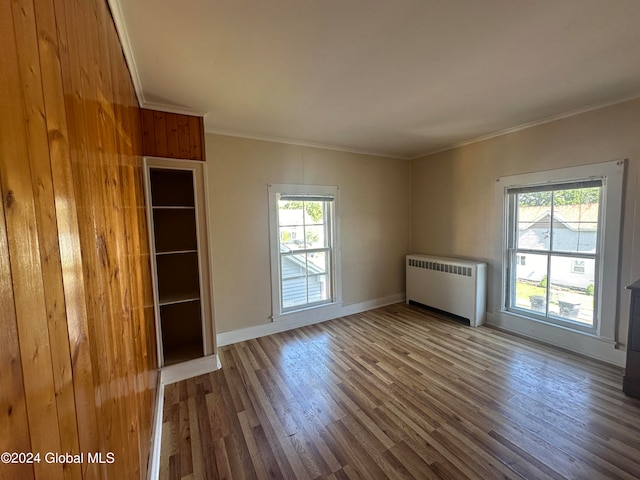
(189, 369)
(249, 333)
(587, 345)
(153, 468)
(167, 375)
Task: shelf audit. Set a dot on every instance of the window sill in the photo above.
(581, 328)
(587, 344)
(317, 313)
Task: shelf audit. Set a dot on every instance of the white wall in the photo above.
(374, 221)
(453, 205)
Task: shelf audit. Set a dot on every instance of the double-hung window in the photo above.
(303, 246)
(561, 244)
(554, 250)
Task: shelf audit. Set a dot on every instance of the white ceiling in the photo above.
(390, 77)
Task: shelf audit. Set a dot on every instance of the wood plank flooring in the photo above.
(399, 392)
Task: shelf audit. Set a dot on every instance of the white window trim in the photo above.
(314, 311)
(612, 175)
(579, 270)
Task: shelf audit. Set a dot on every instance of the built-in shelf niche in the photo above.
(184, 314)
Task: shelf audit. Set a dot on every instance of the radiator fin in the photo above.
(441, 267)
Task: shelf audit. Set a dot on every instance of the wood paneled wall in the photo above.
(77, 340)
(172, 135)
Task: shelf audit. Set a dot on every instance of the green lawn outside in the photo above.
(524, 292)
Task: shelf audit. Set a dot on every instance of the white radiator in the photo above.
(449, 284)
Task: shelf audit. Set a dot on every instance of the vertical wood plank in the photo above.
(148, 132)
(14, 429)
(160, 126)
(110, 233)
(53, 55)
(184, 140)
(195, 138)
(85, 147)
(23, 241)
(173, 148)
(203, 149)
(47, 128)
(82, 327)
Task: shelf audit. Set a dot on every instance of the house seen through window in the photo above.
(554, 250)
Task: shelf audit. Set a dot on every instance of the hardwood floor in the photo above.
(399, 392)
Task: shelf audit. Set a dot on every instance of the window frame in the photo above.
(515, 251)
(606, 301)
(275, 191)
(578, 269)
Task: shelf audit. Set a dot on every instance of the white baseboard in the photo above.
(153, 468)
(584, 344)
(167, 375)
(371, 304)
(284, 324)
(189, 369)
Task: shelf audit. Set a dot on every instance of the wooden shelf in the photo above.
(181, 331)
(178, 275)
(172, 207)
(176, 252)
(173, 299)
(183, 352)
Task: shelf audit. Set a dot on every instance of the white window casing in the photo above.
(329, 195)
(611, 174)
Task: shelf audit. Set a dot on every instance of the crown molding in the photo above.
(121, 28)
(301, 143)
(534, 123)
(173, 109)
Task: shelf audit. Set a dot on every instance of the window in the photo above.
(556, 226)
(560, 262)
(303, 246)
(577, 266)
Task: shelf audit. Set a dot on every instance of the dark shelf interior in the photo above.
(175, 230)
(172, 187)
(181, 332)
(181, 323)
(178, 276)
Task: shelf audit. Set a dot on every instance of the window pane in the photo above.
(293, 266)
(318, 262)
(572, 293)
(294, 280)
(290, 213)
(529, 283)
(534, 220)
(318, 288)
(294, 292)
(291, 238)
(314, 213)
(575, 225)
(315, 236)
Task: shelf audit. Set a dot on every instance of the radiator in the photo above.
(451, 285)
